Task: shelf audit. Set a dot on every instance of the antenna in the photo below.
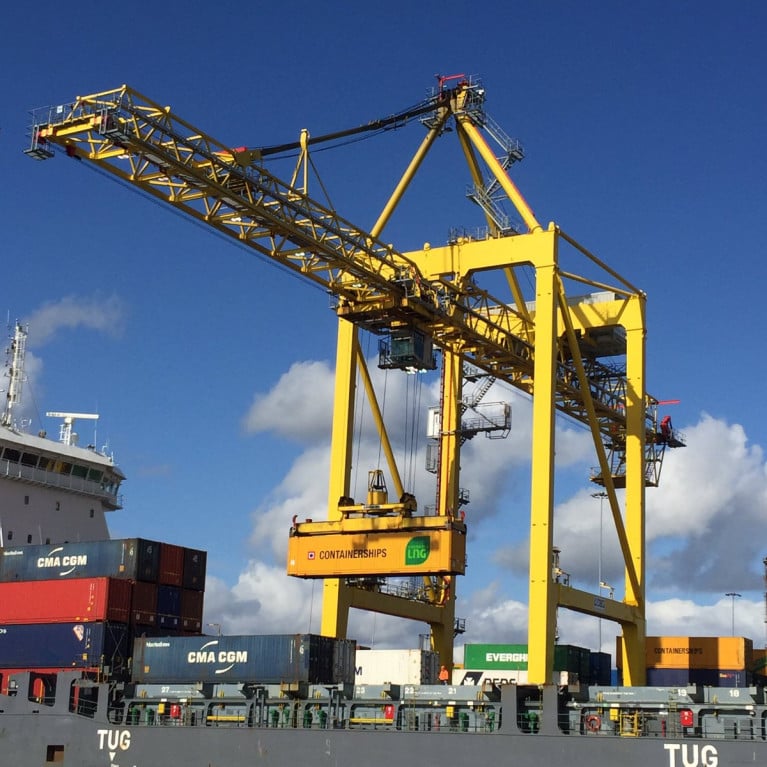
(16, 376)
(65, 432)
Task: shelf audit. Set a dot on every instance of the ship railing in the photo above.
(13, 470)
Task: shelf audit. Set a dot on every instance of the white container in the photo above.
(478, 677)
(396, 667)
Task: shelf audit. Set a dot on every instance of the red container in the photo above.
(171, 565)
(79, 600)
(144, 604)
(191, 609)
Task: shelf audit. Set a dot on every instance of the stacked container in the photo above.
(682, 660)
(81, 605)
(263, 659)
(507, 664)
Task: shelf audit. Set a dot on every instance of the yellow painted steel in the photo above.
(544, 347)
(388, 553)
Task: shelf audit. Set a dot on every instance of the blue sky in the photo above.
(643, 126)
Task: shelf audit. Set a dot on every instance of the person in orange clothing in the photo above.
(443, 675)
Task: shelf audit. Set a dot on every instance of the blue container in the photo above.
(169, 600)
(64, 645)
(134, 559)
(264, 659)
(710, 677)
(599, 668)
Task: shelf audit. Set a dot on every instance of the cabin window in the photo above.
(58, 505)
(11, 455)
(92, 513)
(45, 463)
(95, 475)
(26, 500)
(29, 459)
(79, 471)
(10, 535)
(29, 538)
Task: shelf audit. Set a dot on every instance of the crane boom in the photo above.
(376, 287)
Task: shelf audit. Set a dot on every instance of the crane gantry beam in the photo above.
(548, 348)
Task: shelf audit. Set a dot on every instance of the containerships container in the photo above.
(681, 652)
(397, 667)
(268, 659)
(131, 558)
(66, 601)
(64, 645)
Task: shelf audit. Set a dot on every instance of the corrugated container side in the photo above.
(144, 605)
(711, 677)
(64, 645)
(695, 652)
(191, 609)
(495, 656)
(268, 659)
(65, 601)
(599, 668)
(396, 666)
(171, 571)
(195, 562)
(129, 558)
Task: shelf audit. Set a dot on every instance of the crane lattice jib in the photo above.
(376, 287)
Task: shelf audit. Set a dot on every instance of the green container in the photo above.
(513, 657)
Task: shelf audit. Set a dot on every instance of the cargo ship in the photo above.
(103, 663)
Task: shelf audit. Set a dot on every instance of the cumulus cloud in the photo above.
(711, 494)
(105, 314)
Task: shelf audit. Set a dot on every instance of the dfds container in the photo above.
(134, 559)
(679, 652)
(64, 645)
(397, 667)
(267, 659)
(66, 601)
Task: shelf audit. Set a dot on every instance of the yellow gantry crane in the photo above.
(581, 355)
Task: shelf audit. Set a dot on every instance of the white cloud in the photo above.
(103, 314)
(712, 493)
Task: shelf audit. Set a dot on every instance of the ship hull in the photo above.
(32, 735)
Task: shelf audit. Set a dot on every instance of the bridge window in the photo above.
(11, 455)
(79, 471)
(29, 459)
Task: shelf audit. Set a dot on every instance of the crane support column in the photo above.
(542, 597)
(336, 597)
(636, 435)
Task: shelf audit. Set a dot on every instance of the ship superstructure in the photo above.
(51, 491)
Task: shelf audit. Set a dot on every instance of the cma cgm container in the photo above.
(66, 601)
(266, 659)
(396, 666)
(132, 558)
(64, 645)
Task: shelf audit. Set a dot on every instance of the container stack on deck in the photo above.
(81, 605)
(711, 661)
(507, 664)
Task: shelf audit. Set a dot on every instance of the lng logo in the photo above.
(54, 559)
(417, 550)
(113, 741)
(691, 755)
